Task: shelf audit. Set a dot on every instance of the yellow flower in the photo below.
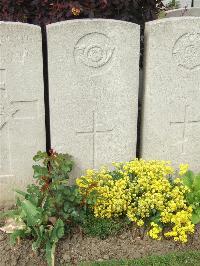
(141, 189)
(76, 11)
(183, 169)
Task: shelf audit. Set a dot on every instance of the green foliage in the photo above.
(173, 259)
(50, 207)
(101, 227)
(192, 181)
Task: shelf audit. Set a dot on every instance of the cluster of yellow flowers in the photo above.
(144, 191)
(113, 196)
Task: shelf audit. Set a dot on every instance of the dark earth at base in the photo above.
(77, 248)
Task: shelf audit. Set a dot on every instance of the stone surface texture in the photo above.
(182, 3)
(181, 12)
(93, 79)
(171, 113)
(22, 127)
(196, 3)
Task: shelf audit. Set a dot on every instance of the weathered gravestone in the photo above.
(22, 130)
(193, 12)
(181, 3)
(196, 3)
(171, 112)
(93, 79)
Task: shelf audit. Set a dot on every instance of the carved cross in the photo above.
(185, 123)
(94, 133)
(8, 111)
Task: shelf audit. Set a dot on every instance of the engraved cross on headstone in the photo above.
(94, 132)
(185, 122)
(8, 111)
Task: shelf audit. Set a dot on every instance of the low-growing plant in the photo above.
(49, 207)
(192, 181)
(146, 192)
(103, 227)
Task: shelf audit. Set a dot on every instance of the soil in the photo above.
(76, 248)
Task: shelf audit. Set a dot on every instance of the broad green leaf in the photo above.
(39, 171)
(50, 253)
(32, 214)
(196, 183)
(195, 218)
(22, 193)
(40, 232)
(188, 179)
(57, 232)
(39, 156)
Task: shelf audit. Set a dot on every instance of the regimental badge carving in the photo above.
(186, 51)
(94, 50)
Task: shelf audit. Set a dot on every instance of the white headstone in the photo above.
(22, 128)
(196, 3)
(93, 81)
(193, 12)
(171, 113)
(181, 3)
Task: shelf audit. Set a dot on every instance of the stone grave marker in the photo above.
(22, 128)
(181, 12)
(93, 80)
(182, 3)
(196, 3)
(171, 113)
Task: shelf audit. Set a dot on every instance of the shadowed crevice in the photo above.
(46, 87)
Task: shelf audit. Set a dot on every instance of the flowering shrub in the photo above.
(145, 192)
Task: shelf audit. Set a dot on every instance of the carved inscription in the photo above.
(186, 51)
(18, 53)
(184, 124)
(4, 134)
(10, 110)
(94, 50)
(94, 133)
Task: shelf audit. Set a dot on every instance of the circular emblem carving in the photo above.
(93, 50)
(186, 51)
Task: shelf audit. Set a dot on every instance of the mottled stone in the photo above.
(171, 113)
(93, 81)
(22, 129)
(196, 3)
(182, 12)
(182, 3)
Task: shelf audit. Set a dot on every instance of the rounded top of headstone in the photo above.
(15, 25)
(95, 21)
(182, 12)
(172, 20)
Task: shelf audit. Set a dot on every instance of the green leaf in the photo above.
(50, 253)
(195, 218)
(22, 193)
(16, 235)
(57, 232)
(188, 179)
(196, 183)
(67, 206)
(40, 237)
(39, 171)
(39, 156)
(32, 213)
